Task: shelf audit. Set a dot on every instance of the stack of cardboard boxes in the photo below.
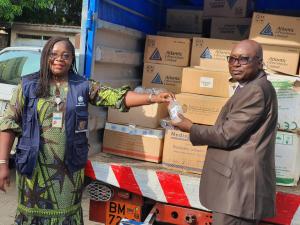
(164, 60)
(204, 91)
(228, 20)
(137, 133)
(280, 36)
(178, 152)
(204, 87)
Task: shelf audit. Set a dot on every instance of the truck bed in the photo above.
(108, 159)
(162, 184)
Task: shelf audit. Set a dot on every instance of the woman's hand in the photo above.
(162, 97)
(4, 177)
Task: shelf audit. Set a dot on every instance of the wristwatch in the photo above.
(150, 98)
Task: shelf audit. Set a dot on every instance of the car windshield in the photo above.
(14, 64)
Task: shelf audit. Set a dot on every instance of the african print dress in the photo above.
(53, 195)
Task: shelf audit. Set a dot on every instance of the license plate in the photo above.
(116, 210)
(3, 106)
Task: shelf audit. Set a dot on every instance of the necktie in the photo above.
(238, 88)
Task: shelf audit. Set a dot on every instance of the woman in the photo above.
(49, 112)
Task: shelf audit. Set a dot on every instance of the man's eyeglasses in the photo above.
(242, 60)
(64, 56)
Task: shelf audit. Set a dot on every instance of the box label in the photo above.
(280, 31)
(132, 130)
(206, 82)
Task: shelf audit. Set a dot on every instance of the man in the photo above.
(238, 180)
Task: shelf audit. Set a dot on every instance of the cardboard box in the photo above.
(275, 30)
(179, 35)
(230, 28)
(184, 20)
(225, 8)
(206, 82)
(211, 54)
(167, 50)
(133, 142)
(281, 59)
(201, 109)
(144, 116)
(287, 158)
(162, 76)
(179, 153)
(288, 96)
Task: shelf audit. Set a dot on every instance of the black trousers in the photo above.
(224, 219)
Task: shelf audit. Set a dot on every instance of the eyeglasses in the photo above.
(242, 60)
(64, 56)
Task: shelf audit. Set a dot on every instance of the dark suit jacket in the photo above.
(239, 170)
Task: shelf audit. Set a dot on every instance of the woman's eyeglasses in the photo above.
(64, 56)
(242, 60)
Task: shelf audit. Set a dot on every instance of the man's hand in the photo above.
(4, 177)
(185, 124)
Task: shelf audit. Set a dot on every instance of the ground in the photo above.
(8, 205)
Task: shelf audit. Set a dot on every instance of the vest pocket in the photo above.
(80, 153)
(28, 126)
(22, 155)
(81, 120)
(29, 118)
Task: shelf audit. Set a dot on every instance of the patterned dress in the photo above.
(53, 195)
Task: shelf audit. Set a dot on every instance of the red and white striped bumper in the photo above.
(177, 189)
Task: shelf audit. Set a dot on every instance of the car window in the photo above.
(14, 64)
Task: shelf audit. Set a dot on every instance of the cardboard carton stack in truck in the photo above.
(188, 57)
(228, 20)
(280, 36)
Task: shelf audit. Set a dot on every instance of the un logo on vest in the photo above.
(267, 30)
(231, 3)
(206, 54)
(155, 55)
(157, 79)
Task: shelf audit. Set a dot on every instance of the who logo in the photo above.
(155, 55)
(267, 30)
(206, 54)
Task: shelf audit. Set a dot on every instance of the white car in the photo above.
(14, 63)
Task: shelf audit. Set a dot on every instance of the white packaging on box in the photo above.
(288, 96)
(287, 158)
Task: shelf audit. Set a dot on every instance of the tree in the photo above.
(67, 12)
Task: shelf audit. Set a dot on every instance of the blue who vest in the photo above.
(76, 121)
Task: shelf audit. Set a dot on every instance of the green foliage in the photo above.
(9, 10)
(66, 12)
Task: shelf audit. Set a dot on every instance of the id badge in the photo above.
(57, 119)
